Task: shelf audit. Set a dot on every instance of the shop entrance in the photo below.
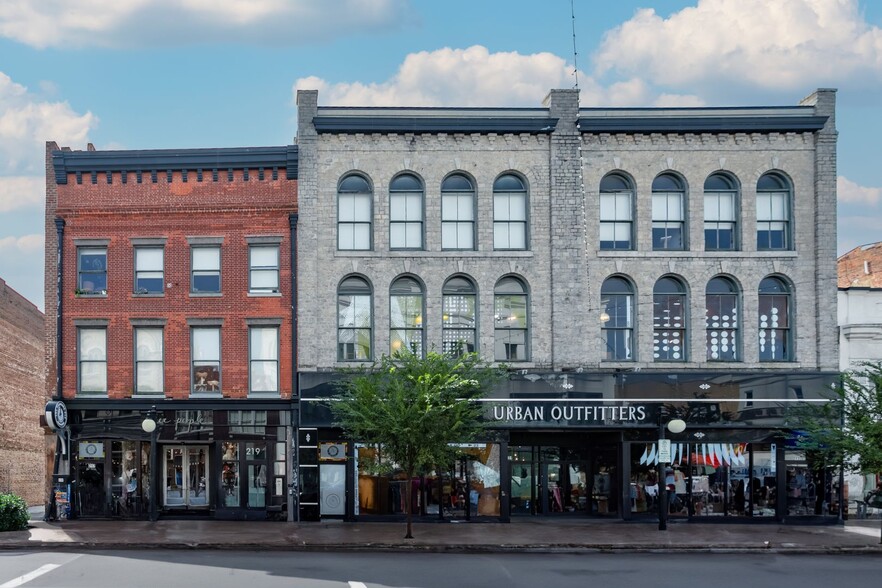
(184, 477)
(550, 480)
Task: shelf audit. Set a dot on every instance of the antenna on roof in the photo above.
(575, 52)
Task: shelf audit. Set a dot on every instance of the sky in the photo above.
(160, 74)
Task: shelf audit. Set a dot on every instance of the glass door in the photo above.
(184, 475)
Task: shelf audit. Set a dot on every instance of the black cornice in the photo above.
(433, 124)
(702, 124)
(162, 160)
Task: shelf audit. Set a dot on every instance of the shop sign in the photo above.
(580, 413)
(56, 414)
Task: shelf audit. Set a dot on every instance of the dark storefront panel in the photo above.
(223, 464)
(579, 444)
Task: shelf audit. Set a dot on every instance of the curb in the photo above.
(459, 548)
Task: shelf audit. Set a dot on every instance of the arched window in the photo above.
(459, 319)
(773, 213)
(457, 213)
(354, 214)
(720, 213)
(616, 212)
(406, 317)
(512, 323)
(406, 212)
(775, 337)
(617, 318)
(668, 213)
(509, 213)
(354, 320)
(721, 320)
(669, 319)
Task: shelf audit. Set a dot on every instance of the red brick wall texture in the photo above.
(176, 210)
(22, 465)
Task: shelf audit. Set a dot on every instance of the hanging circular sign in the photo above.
(56, 414)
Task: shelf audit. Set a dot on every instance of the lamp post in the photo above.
(149, 425)
(674, 426)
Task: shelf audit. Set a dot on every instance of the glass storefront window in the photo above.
(230, 473)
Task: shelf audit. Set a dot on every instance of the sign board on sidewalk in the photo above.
(664, 451)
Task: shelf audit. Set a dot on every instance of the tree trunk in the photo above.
(408, 493)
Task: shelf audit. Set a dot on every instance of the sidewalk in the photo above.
(528, 534)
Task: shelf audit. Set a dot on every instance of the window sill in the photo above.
(214, 394)
(148, 295)
(265, 395)
(206, 294)
(451, 253)
(696, 254)
(91, 295)
(264, 294)
(148, 395)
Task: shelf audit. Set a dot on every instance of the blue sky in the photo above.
(144, 74)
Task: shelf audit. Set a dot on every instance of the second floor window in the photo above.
(263, 268)
(668, 213)
(206, 359)
(459, 320)
(92, 270)
(92, 360)
(669, 320)
(148, 360)
(205, 272)
(406, 316)
(354, 214)
(721, 320)
(617, 319)
(509, 213)
(354, 320)
(775, 338)
(149, 276)
(406, 213)
(263, 365)
(510, 316)
(616, 213)
(457, 213)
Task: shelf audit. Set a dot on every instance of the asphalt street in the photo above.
(239, 569)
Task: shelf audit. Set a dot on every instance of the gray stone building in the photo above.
(631, 265)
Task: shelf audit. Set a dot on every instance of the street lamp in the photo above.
(675, 426)
(148, 425)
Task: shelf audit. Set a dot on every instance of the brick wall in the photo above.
(21, 396)
(174, 210)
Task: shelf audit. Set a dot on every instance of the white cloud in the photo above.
(476, 77)
(27, 244)
(26, 122)
(21, 192)
(126, 23)
(850, 192)
(779, 44)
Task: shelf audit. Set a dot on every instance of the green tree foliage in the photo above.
(414, 408)
(847, 430)
(14, 514)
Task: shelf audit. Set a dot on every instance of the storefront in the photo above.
(221, 464)
(586, 444)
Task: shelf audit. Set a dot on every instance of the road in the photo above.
(237, 569)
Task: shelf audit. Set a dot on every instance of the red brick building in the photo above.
(170, 274)
(22, 465)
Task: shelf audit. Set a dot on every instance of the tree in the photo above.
(414, 408)
(847, 430)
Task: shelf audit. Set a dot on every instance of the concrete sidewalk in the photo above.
(527, 534)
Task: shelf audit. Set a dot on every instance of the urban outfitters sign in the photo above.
(570, 413)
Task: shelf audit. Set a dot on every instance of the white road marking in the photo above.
(45, 569)
(352, 584)
(858, 530)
